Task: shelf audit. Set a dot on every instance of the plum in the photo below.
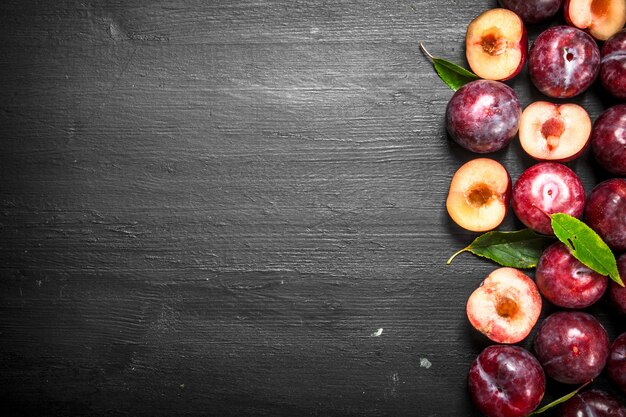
(605, 212)
(533, 11)
(506, 305)
(563, 61)
(608, 139)
(483, 116)
(601, 18)
(546, 188)
(613, 65)
(506, 381)
(496, 45)
(572, 346)
(616, 363)
(565, 281)
(592, 403)
(617, 293)
(479, 194)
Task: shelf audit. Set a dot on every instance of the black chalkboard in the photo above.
(229, 208)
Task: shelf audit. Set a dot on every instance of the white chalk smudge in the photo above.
(425, 363)
(395, 378)
(377, 333)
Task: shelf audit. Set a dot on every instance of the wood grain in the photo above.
(235, 208)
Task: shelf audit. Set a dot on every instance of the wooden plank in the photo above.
(235, 208)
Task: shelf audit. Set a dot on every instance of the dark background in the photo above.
(237, 208)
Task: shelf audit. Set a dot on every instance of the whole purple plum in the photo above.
(572, 346)
(617, 293)
(616, 364)
(506, 381)
(592, 403)
(613, 65)
(608, 138)
(563, 61)
(483, 116)
(605, 212)
(533, 11)
(547, 187)
(565, 281)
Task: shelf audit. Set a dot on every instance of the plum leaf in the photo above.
(519, 249)
(586, 245)
(452, 74)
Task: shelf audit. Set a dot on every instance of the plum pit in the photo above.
(551, 130)
(479, 195)
(493, 42)
(506, 307)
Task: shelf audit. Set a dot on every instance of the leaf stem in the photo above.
(454, 255)
(425, 51)
(559, 400)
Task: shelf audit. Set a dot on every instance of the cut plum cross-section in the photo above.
(506, 306)
(601, 18)
(554, 132)
(479, 195)
(496, 44)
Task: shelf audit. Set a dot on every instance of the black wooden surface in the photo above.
(236, 208)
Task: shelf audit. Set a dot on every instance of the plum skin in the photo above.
(483, 116)
(616, 363)
(506, 381)
(605, 212)
(533, 11)
(617, 293)
(608, 138)
(613, 65)
(592, 403)
(565, 281)
(546, 188)
(563, 61)
(572, 346)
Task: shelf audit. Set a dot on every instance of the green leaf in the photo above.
(585, 245)
(559, 400)
(453, 75)
(519, 249)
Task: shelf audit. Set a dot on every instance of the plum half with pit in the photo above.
(565, 281)
(479, 195)
(546, 188)
(483, 116)
(506, 381)
(533, 11)
(554, 132)
(496, 45)
(572, 346)
(601, 18)
(608, 139)
(592, 403)
(563, 61)
(605, 212)
(506, 305)
(613, 65)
